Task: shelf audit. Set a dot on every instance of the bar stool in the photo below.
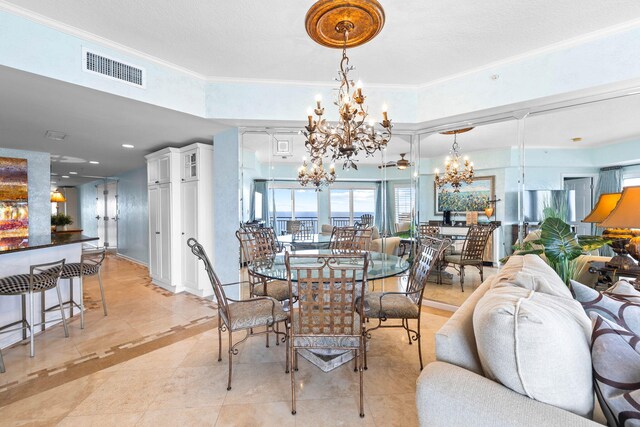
(41, 278)
(90, 265)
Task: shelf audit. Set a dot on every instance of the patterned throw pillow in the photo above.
(616, 308)
(615, 354)
(626, 290)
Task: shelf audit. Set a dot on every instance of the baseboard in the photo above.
(439, 305)
(144, 264)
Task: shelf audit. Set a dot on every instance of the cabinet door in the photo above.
(164, 169)
(154, 252)
(164, 228)
(190, 165)
(189, 203)
(152, 171)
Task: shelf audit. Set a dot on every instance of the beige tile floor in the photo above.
(152, 361)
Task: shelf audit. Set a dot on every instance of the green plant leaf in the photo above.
(590, 243)
(560, 243)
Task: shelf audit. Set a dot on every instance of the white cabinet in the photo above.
(180, 208)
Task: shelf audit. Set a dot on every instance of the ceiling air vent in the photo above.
(109, 67)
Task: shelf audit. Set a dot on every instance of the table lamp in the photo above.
(625, 215)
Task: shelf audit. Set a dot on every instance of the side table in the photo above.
(608, 275)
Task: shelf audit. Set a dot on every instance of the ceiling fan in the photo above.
(401, 164)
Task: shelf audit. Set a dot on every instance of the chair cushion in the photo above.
(313, 337)
(455, 259)
(276, 289)
(613, 307)
(394, 306)
(254, 313)
(73, 270)
(537, 345)
(616, 365)
(19, 283)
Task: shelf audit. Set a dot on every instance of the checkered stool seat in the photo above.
(73, 270)
(19, 283)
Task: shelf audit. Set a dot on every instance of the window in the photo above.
(294, 204)
(630, 182)
(348, 205)
(404, 196)
(257, 209)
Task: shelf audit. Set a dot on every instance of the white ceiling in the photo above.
(97, 125)
(423, 40)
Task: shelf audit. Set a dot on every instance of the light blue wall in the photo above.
(133, 207)
(39, 188)
(226, 210)
(133, 213)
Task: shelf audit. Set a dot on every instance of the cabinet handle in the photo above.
(183, 234)
(183, 179)
(157, 182)
(157, 232)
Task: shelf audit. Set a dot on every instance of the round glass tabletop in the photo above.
(381, 265)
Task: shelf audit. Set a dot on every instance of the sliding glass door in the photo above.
(348, 205)
(294, 204)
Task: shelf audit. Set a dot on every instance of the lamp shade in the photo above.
(57, 197)
(626, 213)
(606, 203)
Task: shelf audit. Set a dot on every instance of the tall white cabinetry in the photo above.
(180, 207)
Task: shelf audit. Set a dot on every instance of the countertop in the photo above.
(16, 244)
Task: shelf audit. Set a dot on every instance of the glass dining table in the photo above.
(381, 265)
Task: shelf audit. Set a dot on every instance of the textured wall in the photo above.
(133, 225)
(39, 170)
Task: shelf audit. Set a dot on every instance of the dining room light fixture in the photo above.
(344, 24)
(458, 170)
(315, 174)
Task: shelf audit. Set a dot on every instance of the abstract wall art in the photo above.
(14, 198)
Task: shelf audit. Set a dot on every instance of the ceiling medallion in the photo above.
(345, 24)
(316, 175)
(452, 173)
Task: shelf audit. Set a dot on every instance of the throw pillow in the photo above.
(626, 290)
(613, 307)
(616, 369)
(537, 345)
(375, 233)
(531, 272)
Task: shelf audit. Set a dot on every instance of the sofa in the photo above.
(460, 388)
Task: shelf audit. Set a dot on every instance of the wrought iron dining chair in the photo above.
(351, 239)
(41, 278)
(330, 290)
(472, 251)
(405, 305)
(428, 230)
(241, 315)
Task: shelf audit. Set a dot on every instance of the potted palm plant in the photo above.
(60, 220)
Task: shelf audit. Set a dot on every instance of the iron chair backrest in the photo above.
(476, 240)
(256, 244)
(92, 258)
(218, 290)
(351, 239)
(428, 230)
(426, 257)
(366, 220)
(328, 288)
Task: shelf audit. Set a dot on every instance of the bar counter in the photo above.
(17, 254)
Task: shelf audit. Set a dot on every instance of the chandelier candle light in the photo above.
(316, 175)
(343, 24)
(453, 175)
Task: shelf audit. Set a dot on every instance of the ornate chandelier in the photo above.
(316, 175)
(453, 174)
(345, 24)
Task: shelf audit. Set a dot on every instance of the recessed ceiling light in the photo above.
(93, 162)
(73, 173)
(55, 135)
(127, 146)
(54, 174)
(65, 176)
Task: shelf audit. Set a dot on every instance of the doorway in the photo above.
(583, 188)
(107, 214)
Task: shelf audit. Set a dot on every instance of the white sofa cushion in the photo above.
(626, 290)
(530, 272)
(537, 345)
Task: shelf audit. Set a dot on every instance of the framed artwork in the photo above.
(14, 198)
(472, 197)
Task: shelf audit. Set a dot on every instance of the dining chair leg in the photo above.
(405, 325)
(32, 349)
(230, 359)
(277, 328)
(481, 268)
(24, 315)
(71, 296)
(293, 379)
(104, 301)
(64, 319)
(419, 343)
(286, 343)
(219, 337)
(462, 277)
(355, 361)
(360, 355)
(2, 369)
(43, 315)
